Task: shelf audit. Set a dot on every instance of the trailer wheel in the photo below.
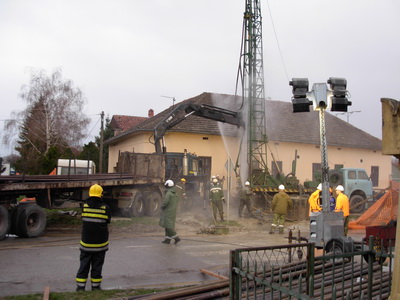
(31, 221)
(5, 222)
(153, 201)
(375, 258)
(354, 201)
(137, 208)
(335, 247)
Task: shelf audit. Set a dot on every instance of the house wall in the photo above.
(220, 148)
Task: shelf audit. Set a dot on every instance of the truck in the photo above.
(356, 183)
(136, 189)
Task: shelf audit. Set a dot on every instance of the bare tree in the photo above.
(53, 117)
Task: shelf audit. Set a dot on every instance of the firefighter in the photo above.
(96, 216)
(168, 213)
(181, 192)
(314, 201)
(281, 204)
(342, 204)
(216, 199)
(245, 198)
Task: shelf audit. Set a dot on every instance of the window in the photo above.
(338, 167)
(316, 172)
(352, 175)
(362, 175)
(375, 175)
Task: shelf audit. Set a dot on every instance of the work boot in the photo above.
(280, 230)
(80, 289)
(166, 241)
(177, 240)
(96, 288)
(272, 230)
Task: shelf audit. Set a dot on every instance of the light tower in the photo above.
(327, 225)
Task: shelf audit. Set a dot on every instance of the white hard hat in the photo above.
(247, 183)
(340, 188)
(169, 183)
(281, 187)
(319, 187)
(212, 177)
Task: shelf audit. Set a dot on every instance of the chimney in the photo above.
(151, 113)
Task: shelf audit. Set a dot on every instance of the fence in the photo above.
(295, 272)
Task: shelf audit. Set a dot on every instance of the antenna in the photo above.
(348, 114)
(173, 99)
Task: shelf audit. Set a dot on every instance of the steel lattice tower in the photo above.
(253, 93)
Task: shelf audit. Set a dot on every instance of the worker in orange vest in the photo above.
(343, 204)
(313, 200)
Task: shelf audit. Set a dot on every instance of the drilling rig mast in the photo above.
(253, 94)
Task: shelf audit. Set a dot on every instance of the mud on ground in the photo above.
(197, 221)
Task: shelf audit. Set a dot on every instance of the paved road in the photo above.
(28, 265)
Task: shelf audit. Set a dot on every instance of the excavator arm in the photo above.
(184, 110)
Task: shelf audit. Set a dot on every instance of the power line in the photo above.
(277, 41)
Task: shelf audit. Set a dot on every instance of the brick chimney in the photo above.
(151, 113)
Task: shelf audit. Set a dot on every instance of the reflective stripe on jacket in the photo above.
(95, 216)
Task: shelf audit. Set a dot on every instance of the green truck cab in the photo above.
(357, 186)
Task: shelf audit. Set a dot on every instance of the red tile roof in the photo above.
(121, 123)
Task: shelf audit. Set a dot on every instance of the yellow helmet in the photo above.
(95, 191)
(183, 179)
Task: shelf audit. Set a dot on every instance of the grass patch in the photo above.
(60, 217)
(233, 223)
(89, 295)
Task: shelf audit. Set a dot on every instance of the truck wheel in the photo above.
(153, 200)
(5, 222)
(355, 206)
(31, 221)
(137, 208)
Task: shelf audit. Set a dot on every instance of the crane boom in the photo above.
(184, 110)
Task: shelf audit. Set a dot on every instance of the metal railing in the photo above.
(300, 271)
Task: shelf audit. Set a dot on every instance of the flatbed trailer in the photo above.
(135, 191)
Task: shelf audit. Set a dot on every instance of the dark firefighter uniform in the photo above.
(216, 199)
(245, 198)
(94, 240)
(168, 213)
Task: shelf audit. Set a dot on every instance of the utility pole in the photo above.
(101, 142)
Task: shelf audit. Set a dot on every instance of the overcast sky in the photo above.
(126, 54)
